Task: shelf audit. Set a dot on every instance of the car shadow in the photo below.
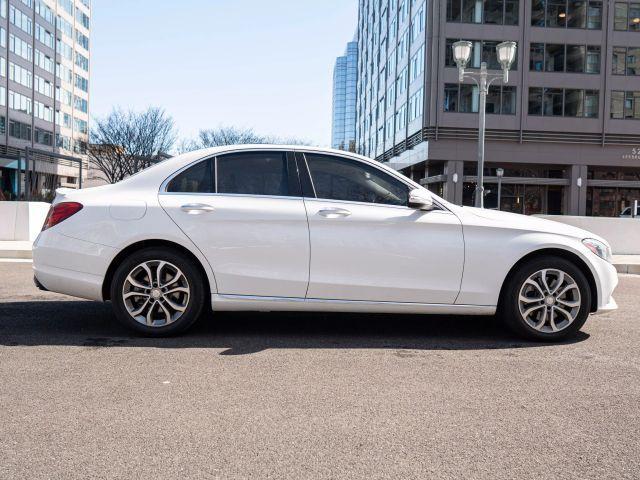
(92, 324)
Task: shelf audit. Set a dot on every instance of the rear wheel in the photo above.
(547, 299)
(158, 292)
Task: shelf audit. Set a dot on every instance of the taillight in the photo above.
(60, 212)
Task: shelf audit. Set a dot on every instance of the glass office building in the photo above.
(565, 129)
(44, 90)
(345, 75)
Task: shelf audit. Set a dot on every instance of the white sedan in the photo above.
(283, 228)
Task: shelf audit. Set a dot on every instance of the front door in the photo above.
(368, 245)
(244, 211)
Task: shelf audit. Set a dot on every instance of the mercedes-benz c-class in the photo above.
(285, 228)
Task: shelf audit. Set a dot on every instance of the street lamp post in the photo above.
(506, 52)
(499, 174)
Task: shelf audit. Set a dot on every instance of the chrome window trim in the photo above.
(248, 195)
(369, 204)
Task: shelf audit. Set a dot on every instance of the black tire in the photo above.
(194, 304)
(509, 307)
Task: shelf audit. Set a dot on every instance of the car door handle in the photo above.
(334, 212)
(196, 208)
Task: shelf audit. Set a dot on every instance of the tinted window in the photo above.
(339, 179)
(260, 173)
(196, 179)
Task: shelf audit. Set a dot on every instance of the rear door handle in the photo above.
(334, 212)
(196, 208)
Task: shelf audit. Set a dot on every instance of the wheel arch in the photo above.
(561, 253)
(137, 246)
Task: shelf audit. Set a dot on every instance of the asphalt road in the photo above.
(312, 396)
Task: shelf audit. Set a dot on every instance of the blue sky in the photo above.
(264, 64)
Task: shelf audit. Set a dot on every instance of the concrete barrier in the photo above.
(21, 221)
(622, 233)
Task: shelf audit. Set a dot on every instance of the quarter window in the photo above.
(196, 179)
(263, 173)
(341, 179)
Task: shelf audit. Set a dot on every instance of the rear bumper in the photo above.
(70, 266)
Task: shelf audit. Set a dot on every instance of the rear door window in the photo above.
(254, 173)
(195, 179)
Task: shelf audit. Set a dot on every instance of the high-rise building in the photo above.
(565, 129)
(44, 90)
(345, 75)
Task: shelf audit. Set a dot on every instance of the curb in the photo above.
(633, 269)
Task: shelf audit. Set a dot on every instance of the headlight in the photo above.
(599, 248)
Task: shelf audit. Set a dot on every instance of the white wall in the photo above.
(22, 220)
(622, 233)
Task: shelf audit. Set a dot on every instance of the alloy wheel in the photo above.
(156, 293)
(549, 300)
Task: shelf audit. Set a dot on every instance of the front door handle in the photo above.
(334, 212)
(196, 208)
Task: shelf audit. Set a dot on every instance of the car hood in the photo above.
(517, 221)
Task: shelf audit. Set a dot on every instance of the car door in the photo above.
(367, 244)
(245, 212)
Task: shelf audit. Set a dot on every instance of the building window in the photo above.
(401, 117)
(626, 61)
(498, 12)
(82, 40)
(19, 130)
(627, 16)
(415, 105)
(20, 47)
(43, 137)
(552, 57)
(625, 105)
(463, 98)
(20, 102)
(417, 24)
(482, 51)
(20, 75)
(416, 65)
(563, 102)
(566, 14)
(82, 83)
(20, 20)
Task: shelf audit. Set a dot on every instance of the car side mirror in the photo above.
(420, 200)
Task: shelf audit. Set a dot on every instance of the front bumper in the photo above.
(606, 278)
(612, 305)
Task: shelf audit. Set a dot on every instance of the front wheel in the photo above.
(157, 292)
(547, 299)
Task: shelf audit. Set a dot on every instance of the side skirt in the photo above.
(280, 304)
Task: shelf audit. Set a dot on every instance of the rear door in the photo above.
(245, 212)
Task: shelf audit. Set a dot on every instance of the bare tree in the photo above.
(123, 143)
(222, 136)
